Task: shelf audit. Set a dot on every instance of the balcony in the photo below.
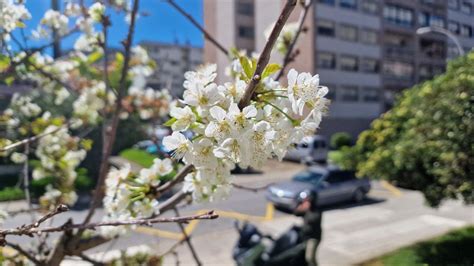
(397, 52)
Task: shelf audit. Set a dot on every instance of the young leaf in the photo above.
(244, 61)
(270, 69)
(94, 57)
(170, 122)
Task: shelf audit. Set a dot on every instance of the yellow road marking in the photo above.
(394, 190)
(269, 212)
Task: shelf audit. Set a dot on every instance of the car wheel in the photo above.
(359, 195)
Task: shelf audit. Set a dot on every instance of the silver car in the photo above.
(309, 150)
(332, 184)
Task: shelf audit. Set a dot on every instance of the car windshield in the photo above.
(308, 177)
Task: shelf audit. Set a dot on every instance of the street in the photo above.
(389, 218)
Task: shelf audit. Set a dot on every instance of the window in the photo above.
(466, 31)
(348, 63)
(245, 8)
(368, 36)
(348, 4)
(327, 2)
(347, 32)
(326, 60)
(466, 7)
(427, 19)
(398, 15)
(246, 32)
(370, 94)
(398, 69)
(453, 27)
(369, 65)
(369, 6)
(326, 28)
(453, 4)
(348, 93)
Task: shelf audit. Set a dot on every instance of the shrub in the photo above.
(11, 193)
(425, 141)
(341, 139)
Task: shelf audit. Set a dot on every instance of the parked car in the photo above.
(310, 150)
(332, 184)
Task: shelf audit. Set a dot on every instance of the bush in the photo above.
(340, 139)
(454, 248)
(425, 141)
(11, 193)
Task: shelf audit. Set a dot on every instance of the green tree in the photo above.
(425, 142)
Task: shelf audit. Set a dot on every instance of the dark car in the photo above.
(332, 184)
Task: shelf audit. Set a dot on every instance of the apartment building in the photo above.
(172, 61)
(461, 23)
(366, 51)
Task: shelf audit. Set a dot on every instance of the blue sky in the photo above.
(162, 24)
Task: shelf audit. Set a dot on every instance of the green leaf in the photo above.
(244, 61)
(170, 122)
(270, 69)
(94, 57)
(9, 80)
(20, 24)
(4, 62)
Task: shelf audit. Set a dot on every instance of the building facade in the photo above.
(172, 60)
(366, 51)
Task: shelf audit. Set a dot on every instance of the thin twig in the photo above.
(32, 139)
(187, 238)
(25, 253)
(34, 230)
(26, 182)
(197, 25)
(265, 55)
(177, 179)
(288, 56)
(109, 133)
(89, 259)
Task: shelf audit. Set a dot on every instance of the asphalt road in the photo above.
(387, 219)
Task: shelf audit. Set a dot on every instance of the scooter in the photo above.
(256, 249)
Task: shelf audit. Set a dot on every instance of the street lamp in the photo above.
(424, 30)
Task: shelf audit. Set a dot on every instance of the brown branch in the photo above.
(288, 56)
(265, 55)
(109, 133)
(172, 201)
(32, 139)
(197, 25)
(252, 189)
(25, 253)
(177, 179)
(34, 230)
(187, 238)
(27, 229)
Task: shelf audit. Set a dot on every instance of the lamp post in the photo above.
(424, 30)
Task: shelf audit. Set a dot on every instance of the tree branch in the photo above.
(265, 55)
(288, 55)
(25, 253)
(197, 25)
(109, 133)
(177, 179)
(32, 139)
(34, 230)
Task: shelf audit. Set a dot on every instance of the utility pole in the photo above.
(56, 39)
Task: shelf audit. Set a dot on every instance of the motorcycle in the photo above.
(256, 249)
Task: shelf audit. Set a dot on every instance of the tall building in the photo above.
(461, 23)
(366, 51)
(172, 61)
